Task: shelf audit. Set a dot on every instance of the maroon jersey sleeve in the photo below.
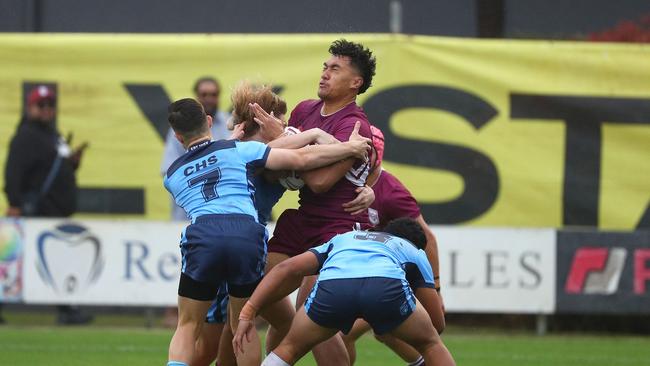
(299, 113)
(397, 201)
(346, 125)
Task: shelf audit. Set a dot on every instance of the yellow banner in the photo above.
(492, 133)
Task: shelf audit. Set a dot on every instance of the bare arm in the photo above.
(429, 299)
(431, 249)
(310, 157)
(314, 135)
(323, 179)
(272, 129)
(283, 279)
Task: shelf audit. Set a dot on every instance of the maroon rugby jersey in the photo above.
(307, 115)
(392, 201)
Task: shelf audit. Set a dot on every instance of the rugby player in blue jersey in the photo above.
(369, 275)
(254, 123)
(225, 242)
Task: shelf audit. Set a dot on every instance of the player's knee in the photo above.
(424, 347)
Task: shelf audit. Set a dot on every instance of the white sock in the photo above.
(418, 362)
(273, 360)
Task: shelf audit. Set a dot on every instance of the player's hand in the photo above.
(237, 132)
(78, 153)
(365, 198)
(360, 145)
(13, 211)
(271, 127)
(244, 331)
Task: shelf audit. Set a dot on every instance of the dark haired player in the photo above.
(393, 200)
(347, 73)
(225, 242)
(368, 275)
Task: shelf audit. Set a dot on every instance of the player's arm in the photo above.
(431, 250)
(429, 299)
(323, 179)
(283, 279)
(296, 141)
(310, 157)
(420, 278)
(281, 138)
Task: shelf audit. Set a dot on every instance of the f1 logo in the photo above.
(596, 270)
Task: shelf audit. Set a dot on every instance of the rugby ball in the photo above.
(292, 182)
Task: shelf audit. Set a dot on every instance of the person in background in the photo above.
(40, 172)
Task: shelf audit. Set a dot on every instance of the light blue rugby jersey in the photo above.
(266, 196)
(358, 254)
(215, 177)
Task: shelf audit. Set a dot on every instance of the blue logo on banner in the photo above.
(69, 257)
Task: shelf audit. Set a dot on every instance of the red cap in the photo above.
(378, 143)
(40, 93)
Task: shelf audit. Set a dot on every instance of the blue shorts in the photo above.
(219, 249)
(218, 312)
(383, 302)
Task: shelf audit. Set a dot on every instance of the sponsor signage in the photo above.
(497, 270)
(603, 272)
(11, 260)
(563, 146)
(101, 262)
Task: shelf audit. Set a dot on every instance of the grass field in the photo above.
(112, 341)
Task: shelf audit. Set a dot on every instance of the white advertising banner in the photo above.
(137, 263)
(493, 270)
(101, 262)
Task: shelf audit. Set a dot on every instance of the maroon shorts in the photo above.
(296, 232)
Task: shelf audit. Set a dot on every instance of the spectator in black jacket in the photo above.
(40, 172)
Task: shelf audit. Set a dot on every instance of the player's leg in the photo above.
(418, 331)
(226, 355)
(286, 242)
(246, 253)
(331, 352)
(207, 346)
(251, 354)
(359, 328)
(303, 336)
(197, 287)
(407, 353)
(279, 315)
(401, 348)
(191, 314)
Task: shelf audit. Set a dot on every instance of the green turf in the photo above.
(102, 345)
